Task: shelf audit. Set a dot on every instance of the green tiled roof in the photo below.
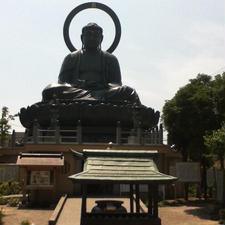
(120, 166)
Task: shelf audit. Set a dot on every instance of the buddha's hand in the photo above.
(90, 84)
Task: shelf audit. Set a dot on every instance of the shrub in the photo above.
(1, 215)
(13, 202)
(10, 188)
(193, 190)
(15, 188)
(3, 201)
(25, 222)
(4, 188)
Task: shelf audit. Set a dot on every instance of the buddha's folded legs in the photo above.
(118, 94)
(121, 94)
(67, 92)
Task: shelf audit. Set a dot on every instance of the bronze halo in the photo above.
(88, 5)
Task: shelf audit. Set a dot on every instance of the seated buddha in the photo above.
(90, 74)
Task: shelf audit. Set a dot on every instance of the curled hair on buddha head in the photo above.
(92, 26)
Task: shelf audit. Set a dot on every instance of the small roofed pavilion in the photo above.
(122, 167)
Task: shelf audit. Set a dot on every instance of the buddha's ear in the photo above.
(102, 38)
(81, 37)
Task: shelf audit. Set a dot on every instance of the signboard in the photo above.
(188, 172)
(40, 178)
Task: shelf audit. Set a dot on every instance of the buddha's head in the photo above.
(92, 36)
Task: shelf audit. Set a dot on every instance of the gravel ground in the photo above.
(185, 215)
(14, 216)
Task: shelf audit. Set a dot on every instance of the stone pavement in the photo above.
(70, 214)
(181, 215)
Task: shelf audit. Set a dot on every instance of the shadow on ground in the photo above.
(203, 209)
(200, 212)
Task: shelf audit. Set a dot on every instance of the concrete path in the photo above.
(70, 214)
(182, 215)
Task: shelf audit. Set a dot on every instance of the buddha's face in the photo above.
(91, 38)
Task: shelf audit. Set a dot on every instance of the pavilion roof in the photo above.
(120, 166)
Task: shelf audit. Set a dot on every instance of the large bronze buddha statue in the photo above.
(89, 91)
(90, 73)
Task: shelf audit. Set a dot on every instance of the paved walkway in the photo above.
(181, 215)
(70, 214)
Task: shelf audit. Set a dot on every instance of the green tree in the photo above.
(219, 95)
(187, 117)
(216, 143)
(4, 125)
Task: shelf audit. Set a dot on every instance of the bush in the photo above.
(3, 201)
(193, 190)
(1, 215)
(4, 188)
(10, 188)
(13, 202)
(25, 222)
(15, 188)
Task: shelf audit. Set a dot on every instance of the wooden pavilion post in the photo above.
(149, 200)
(137, 198)
(131, 198)
(84, 200)
(155, 201)
(57, 133)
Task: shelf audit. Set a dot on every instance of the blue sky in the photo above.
(164, 43)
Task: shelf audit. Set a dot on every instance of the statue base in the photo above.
(88, 113)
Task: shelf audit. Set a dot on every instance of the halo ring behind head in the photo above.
(88, 5)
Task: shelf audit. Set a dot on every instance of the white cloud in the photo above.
(154, 89)
(206, 38)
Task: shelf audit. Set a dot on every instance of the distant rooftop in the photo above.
(40, 159)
